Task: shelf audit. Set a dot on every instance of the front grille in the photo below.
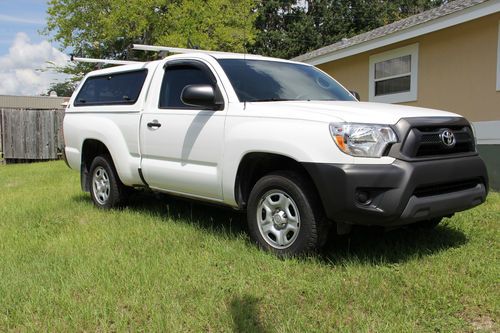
(425, 191)
(427, 142)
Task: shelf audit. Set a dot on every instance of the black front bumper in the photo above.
(401, 192)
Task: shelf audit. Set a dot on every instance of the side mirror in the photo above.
(202, 95)
(355, 94)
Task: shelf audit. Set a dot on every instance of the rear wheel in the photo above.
(284, 216)
(106, 189)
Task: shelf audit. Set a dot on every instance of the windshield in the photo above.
(262, 81)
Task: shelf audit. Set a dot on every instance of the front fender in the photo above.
(303, 141)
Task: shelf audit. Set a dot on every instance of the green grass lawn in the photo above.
(169, 265)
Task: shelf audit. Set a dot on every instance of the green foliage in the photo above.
(211, 25)
(63, 89)
(164, 265)
(286, 29)
(107, 28)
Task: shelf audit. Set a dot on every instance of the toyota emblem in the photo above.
(447, 138)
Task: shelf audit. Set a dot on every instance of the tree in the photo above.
(288, 28)
(63, 89)
(107, 28)
(222, 25)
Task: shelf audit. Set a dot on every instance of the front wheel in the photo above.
(106, 189)
(284, 215)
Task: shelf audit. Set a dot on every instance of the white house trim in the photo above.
(401, 97)
(469, 14)
(487, 132)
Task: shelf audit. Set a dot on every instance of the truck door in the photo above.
(182, 145)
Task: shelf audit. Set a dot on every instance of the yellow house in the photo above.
(445, 58)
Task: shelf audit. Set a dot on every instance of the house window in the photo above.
(498, 59)
(393, 75)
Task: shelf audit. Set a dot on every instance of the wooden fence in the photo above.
(31, 135)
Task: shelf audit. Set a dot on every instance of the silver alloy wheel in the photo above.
(100, 185)
(278, 218)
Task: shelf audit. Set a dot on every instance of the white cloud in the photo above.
(23, 69)
(16, 19)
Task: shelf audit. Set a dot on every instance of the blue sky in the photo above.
(21, 16)
(24, 53)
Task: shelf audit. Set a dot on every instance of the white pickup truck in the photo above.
(279, 139)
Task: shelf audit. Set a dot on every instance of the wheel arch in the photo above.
(91, 148)
(255, 165)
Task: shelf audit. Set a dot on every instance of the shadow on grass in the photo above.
(244, 310)
(374, 245)
(369, 245)
(216, 219)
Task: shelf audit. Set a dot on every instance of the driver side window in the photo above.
(174, 81)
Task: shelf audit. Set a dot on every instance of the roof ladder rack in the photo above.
(173, 49)
(105, 61)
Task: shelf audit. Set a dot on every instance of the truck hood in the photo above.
(331, 111)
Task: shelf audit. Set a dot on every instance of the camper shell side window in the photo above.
(112, 89)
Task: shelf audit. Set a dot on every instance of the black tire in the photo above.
(427, 224)
(311, 232)
(110, 193)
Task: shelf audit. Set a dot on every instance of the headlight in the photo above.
(365, 140)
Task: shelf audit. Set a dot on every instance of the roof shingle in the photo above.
(429, 15)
